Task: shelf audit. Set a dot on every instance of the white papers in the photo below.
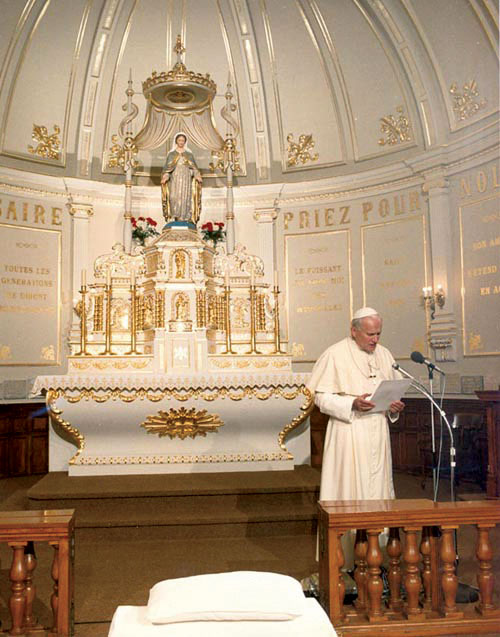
(387, 392)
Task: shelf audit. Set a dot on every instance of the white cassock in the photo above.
(357, 463)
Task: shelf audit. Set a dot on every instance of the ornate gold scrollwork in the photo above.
(79, 439)
(397, 130)
(48, 145)
(306, 410)
(464, 104)
(119, 155)
(299, 151)
(181, 423)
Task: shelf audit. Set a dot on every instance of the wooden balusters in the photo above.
(425, 550)
(436, 551)
(360, 572)
(17, 601)
(449, 580)
(374, 559)
(412, 581)
(30, 561)
(485, 577)
(394, 574)
(20, 529)
(54, 598)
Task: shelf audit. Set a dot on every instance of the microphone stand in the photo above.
(419, 387)
(433, 438)
(465, 592)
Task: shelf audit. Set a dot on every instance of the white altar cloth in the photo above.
(130, 621)
(99, 422)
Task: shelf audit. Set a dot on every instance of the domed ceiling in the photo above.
(322, 87)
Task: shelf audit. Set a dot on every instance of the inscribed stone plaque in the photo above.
(480, 248)
(394, 273)
(319, 291)
(30, 264)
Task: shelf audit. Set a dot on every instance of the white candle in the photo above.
(108, 277)
(252, 278)
(132, 277)
(84, 278)
(276, 278)
(227, 279)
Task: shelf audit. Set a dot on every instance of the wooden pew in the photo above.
(424, 563)
(20, 529)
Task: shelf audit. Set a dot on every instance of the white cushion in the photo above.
(236, 596)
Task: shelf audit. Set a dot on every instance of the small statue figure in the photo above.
(181, 184)
(180, 264)
(181, 308)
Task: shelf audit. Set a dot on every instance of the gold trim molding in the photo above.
(155, 395)
(49, 146)
(184, 459)
(181, 423)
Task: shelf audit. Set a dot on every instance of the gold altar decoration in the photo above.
(298, 152)
(56, 415)
(397, 128)
(181, 423)
(48, 145)
(306, 410)
(465, 103)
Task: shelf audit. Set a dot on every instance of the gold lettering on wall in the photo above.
(371, 211)
(29, 212)
(482, 181)
(480, 256)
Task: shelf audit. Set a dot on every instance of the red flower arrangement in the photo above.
(142, 228)
(213, 231)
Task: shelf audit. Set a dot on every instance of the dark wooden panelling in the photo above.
(23, 439)
(411, 436)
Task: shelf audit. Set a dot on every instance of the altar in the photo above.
(176, 358)
(104, 424)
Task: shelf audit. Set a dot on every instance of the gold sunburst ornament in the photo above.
(181, 423)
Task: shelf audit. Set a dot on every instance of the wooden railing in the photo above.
(421, 569)
(20, 529)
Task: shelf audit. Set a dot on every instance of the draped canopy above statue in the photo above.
(179, 100)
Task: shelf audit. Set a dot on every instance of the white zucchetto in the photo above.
(363, 312)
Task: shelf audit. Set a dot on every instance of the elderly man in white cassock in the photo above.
(357, 462)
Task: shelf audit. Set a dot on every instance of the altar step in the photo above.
(236, 504)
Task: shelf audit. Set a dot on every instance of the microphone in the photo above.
(417, 357)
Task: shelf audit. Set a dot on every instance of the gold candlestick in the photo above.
(253, 331)
(227, 321)
(277, 338)
(133, 319)
(107, 292)
(83, 323)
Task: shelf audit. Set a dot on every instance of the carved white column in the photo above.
(80, 238)
(266, 218)
(443, 329)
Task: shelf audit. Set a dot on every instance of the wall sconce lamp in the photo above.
(433, 298)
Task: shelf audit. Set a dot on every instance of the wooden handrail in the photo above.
(428, 555)
(20, 529)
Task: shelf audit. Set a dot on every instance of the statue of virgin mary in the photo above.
(181, 184)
